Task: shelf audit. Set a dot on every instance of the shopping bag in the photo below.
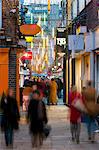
(79, 105)
(92, 108)
(46, 130)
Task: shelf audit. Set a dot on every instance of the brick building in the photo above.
(9, 47)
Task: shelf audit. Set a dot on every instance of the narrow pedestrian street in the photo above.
(59, 138)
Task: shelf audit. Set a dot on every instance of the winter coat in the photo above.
(34, 113)
(75, 115)
(53, 92)
(11, 114)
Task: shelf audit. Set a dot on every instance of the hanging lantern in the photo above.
(30, 29)
(49, 6)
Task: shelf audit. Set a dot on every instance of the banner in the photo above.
(76, 42)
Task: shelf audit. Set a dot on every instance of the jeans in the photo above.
(9, 136)
(91, 127)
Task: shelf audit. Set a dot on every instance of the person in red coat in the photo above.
(75, 115)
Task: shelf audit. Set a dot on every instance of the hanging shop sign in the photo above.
(27, 56)
(61, 39)
(30, 29)
(76, 42)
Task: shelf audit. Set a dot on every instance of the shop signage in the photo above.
(61, 32)
(27, 56)
(61, 39)
(76, 42)
(30, 29)
(81, 30)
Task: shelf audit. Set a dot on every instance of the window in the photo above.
(81, 5)
(0, 13)
(87, 1)
(74, 7)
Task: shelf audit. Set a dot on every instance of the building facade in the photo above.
(85, 21)
(9, 46)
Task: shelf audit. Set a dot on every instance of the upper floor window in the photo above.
(81, 5)
(74, 9)
(87, 1)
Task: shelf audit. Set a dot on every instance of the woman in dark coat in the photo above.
(11, 117)
(37, 117)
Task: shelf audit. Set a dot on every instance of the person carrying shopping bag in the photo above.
(75, 115)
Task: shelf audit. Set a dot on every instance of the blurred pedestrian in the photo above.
(1, 111)
(60, 87)
(26, 92)
(37, 117)
(75, 115)
(11, 117)
(47, 91)
(34, 87)
(53, 92)
(89, 98)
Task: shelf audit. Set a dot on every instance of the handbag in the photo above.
(46, 130)
(79, 105)
(92, 108)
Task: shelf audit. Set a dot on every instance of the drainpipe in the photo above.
(82, 71)
(73, 71)
(92, 61)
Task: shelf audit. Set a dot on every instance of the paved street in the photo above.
(59, 138)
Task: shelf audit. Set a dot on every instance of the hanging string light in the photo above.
(49, 6)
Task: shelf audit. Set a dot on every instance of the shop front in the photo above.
(78, 73)
(4, 69)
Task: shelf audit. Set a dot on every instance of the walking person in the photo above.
(34, 88)
(37, 117)
(10, 117)
(75, 116)
(26, 92)
(89, 98)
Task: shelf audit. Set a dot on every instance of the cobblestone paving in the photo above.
(59, 138)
